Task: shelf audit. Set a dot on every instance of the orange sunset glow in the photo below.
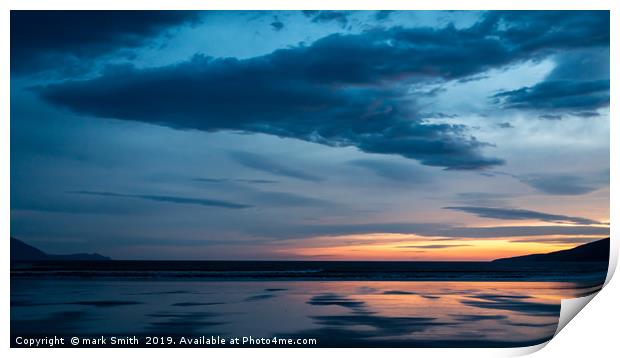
(399, 247)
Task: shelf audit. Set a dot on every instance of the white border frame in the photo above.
(584, 339)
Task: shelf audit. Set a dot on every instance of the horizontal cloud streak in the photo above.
(562, 240)
(263, 164)
(513, 231)
(405, 174)
(168, 199)
(521, 214)
(565, 184)
(272, 198)
(224, 180)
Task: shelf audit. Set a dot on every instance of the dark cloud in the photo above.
(45, 39)
(309, 13)
(513, 231)
(558, 95)
(325, 16)
(565, 184)
(473, 78)
(277, 25)
(274, 104)
(439, 115)
(34, 201)
(225, 180)
(168, 199)
(562, 240)
(540, 30)
(263, 164)
(551, 117)
(579, 83)
(521, 214)
(582, 64)
(505, 125)
(212, 180)
(586, 114)
(307, 92)
(341, 90)
(393, 171)
(383, 15)
(257, 181)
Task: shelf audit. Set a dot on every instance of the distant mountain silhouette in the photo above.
(20, 251)
(593, 251)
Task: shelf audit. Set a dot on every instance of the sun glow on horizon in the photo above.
(405, 247)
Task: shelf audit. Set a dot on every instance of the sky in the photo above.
(309, 135)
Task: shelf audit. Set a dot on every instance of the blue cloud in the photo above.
(225, 180)
(565, 184)
(383, 15)
(168, 199)
(578, 85)
(41, 39)
(277, 25)
(344, 89)
(558, 95)
(396, 172)
(263, 164)
(521, 214)
(326, 16)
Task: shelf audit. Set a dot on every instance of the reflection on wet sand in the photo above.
(337, 313)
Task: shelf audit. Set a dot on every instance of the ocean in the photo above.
(299, 304)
